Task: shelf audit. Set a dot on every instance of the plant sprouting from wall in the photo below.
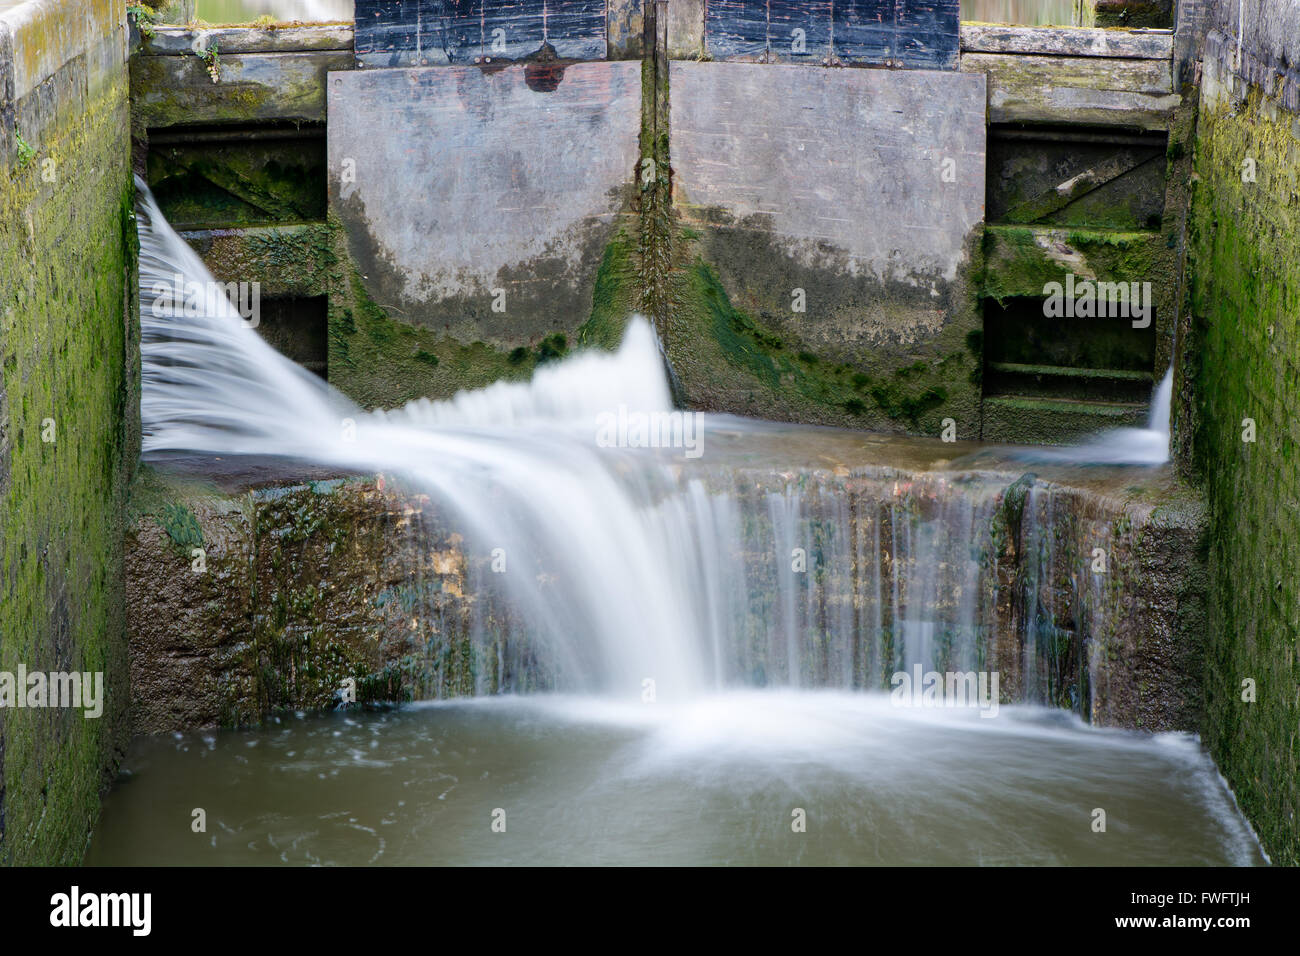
(211, 57)
(145, 19)
(25, 151)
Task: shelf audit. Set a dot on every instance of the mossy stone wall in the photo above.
(67, 409)
(1245, 287)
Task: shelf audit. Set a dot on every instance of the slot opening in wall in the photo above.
(232, 176)
(297, 328)
(1100, 359)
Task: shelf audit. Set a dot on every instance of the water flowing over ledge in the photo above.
(519, 552)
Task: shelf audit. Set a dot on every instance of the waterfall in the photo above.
(633, 570)
(1123, 446)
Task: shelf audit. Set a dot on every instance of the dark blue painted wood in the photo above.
(735, 28)
(576, 28)
(927, 33)
(385, 29)
(461, 22)
(813, 17)
(918, 34)
(407, 32)
(864, 30)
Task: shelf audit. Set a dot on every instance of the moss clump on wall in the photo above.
(708, 333)
(1020, 260)
(383, 363)
(65, 447)
(617, 294)
(1244, 251)
(289, 260)
(731, 362)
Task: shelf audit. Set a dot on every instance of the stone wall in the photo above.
(1245, 288)
(243, 600)
(68, 407)
(305, 584)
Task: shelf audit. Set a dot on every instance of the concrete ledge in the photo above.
(179, 41)
(287, 260)
(1089, 91)
(1047, 421)
(177, 90)
(46, 34)
(54, 57)
(1020, 260)
(1066, 41)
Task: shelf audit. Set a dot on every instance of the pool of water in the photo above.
(721, 779)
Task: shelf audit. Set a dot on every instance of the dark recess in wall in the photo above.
(298, 329)
(232, 176)
(1093, 359)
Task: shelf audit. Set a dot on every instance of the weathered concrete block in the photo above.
(480, 201)
(48, 33)
(54, 55)
(861, 189)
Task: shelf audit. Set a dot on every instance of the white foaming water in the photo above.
(622, 565)
(630, 567)
(1126, 446)
(518, 463)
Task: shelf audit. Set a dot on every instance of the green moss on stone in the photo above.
(64, 295)
(382, 363)
(1244, 261)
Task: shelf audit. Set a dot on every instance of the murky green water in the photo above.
(1025, 12)
(718, 780)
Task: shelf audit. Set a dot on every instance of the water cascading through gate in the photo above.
(598, 569)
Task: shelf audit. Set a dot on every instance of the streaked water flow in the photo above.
(704, 579)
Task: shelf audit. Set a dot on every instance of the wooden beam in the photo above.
(1060, 196)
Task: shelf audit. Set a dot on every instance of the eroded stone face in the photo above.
(1088, 597)
(274, 598)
